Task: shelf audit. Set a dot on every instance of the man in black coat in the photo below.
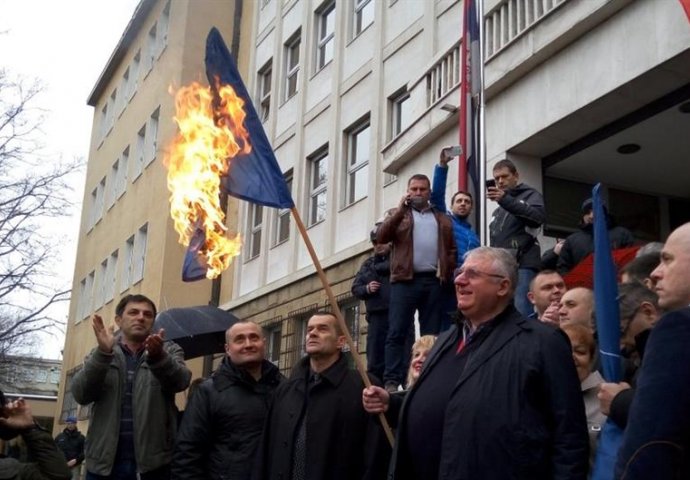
(71, 442)
(222, 424)
(656, 443)
(581, 243)
(317, 428)
(498, 396)
(372, 284)
(515, 224)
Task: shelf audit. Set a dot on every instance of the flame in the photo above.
(210, 135)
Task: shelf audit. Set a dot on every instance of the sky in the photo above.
(65, 44)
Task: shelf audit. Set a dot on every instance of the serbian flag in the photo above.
(255, 176)
(608, 330)
(470, 85)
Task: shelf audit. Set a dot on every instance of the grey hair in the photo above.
(503, 261)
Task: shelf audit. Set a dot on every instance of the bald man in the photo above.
(577, 306)
(657, 438)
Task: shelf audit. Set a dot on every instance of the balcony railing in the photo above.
(443, 76)
(511, 18)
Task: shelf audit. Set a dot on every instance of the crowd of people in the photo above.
(503, 382)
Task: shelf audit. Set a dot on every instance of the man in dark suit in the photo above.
(657, 439)
(316, 427)
(498, 396)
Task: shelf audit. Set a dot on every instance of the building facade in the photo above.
(127, 243)
(358, 95)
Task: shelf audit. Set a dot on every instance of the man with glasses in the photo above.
(498, 397)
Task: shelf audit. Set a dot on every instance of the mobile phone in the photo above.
(491, 183)
(453, 151)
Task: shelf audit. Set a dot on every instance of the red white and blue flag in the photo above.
(470, 87)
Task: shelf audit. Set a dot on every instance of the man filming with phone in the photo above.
(515, 224)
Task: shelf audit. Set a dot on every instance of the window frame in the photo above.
(317, 190)
(324, 38)
(292, 46)
(265, 79)
(255, 214)
(357, 16)
(355, 166)
(282, 214)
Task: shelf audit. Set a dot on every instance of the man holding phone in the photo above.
(460, 205)
(422, 262)
(515, 224)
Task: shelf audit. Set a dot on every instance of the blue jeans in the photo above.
(376, 343)
(522, 303)
(423, 294)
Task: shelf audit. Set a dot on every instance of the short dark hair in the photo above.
(461, 192)
(641, 268)
(327, 313)
(631, 296)
(135, 298)
(505, 163)
(541, 273)
(419, 176)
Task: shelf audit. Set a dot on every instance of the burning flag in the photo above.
(221, 145)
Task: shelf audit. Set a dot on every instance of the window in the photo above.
(100, 284)
(254, 223)
(363, 15)
(127, 265)
(134, 75)
(121, 179)
(140, 152)
(113, 183)
(274, 336)
(265, 76)
(401, 112)
(151, 49)
(88, 300)
(124, 91)
(318, 177)
(139, 255)
(291, 65)
(109, 282)
(350, 310)
(103, 131)
(97, 203)
(163, 23)
(281, 228)
(112, 109)
(80, 303)
(69, 404)
(325, 40)
(358, 140)
(151, 140)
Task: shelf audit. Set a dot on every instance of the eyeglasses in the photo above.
(473, 274)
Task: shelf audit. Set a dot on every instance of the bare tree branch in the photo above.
(34, 190)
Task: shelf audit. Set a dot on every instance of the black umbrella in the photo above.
(198, 330)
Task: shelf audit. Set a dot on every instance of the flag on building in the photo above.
(608, 331)
(254, 176)
(470, 86)
(686, 7)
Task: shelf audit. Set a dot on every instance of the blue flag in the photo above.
(608, 330)
(256, 176)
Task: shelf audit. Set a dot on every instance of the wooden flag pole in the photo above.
(338, 315)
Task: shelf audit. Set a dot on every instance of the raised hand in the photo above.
(104, 335)
(154, 345)
(17, 415)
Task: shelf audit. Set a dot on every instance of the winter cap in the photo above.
(587, 206)
(71, 419)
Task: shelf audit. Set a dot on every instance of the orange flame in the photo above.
(209, 136)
